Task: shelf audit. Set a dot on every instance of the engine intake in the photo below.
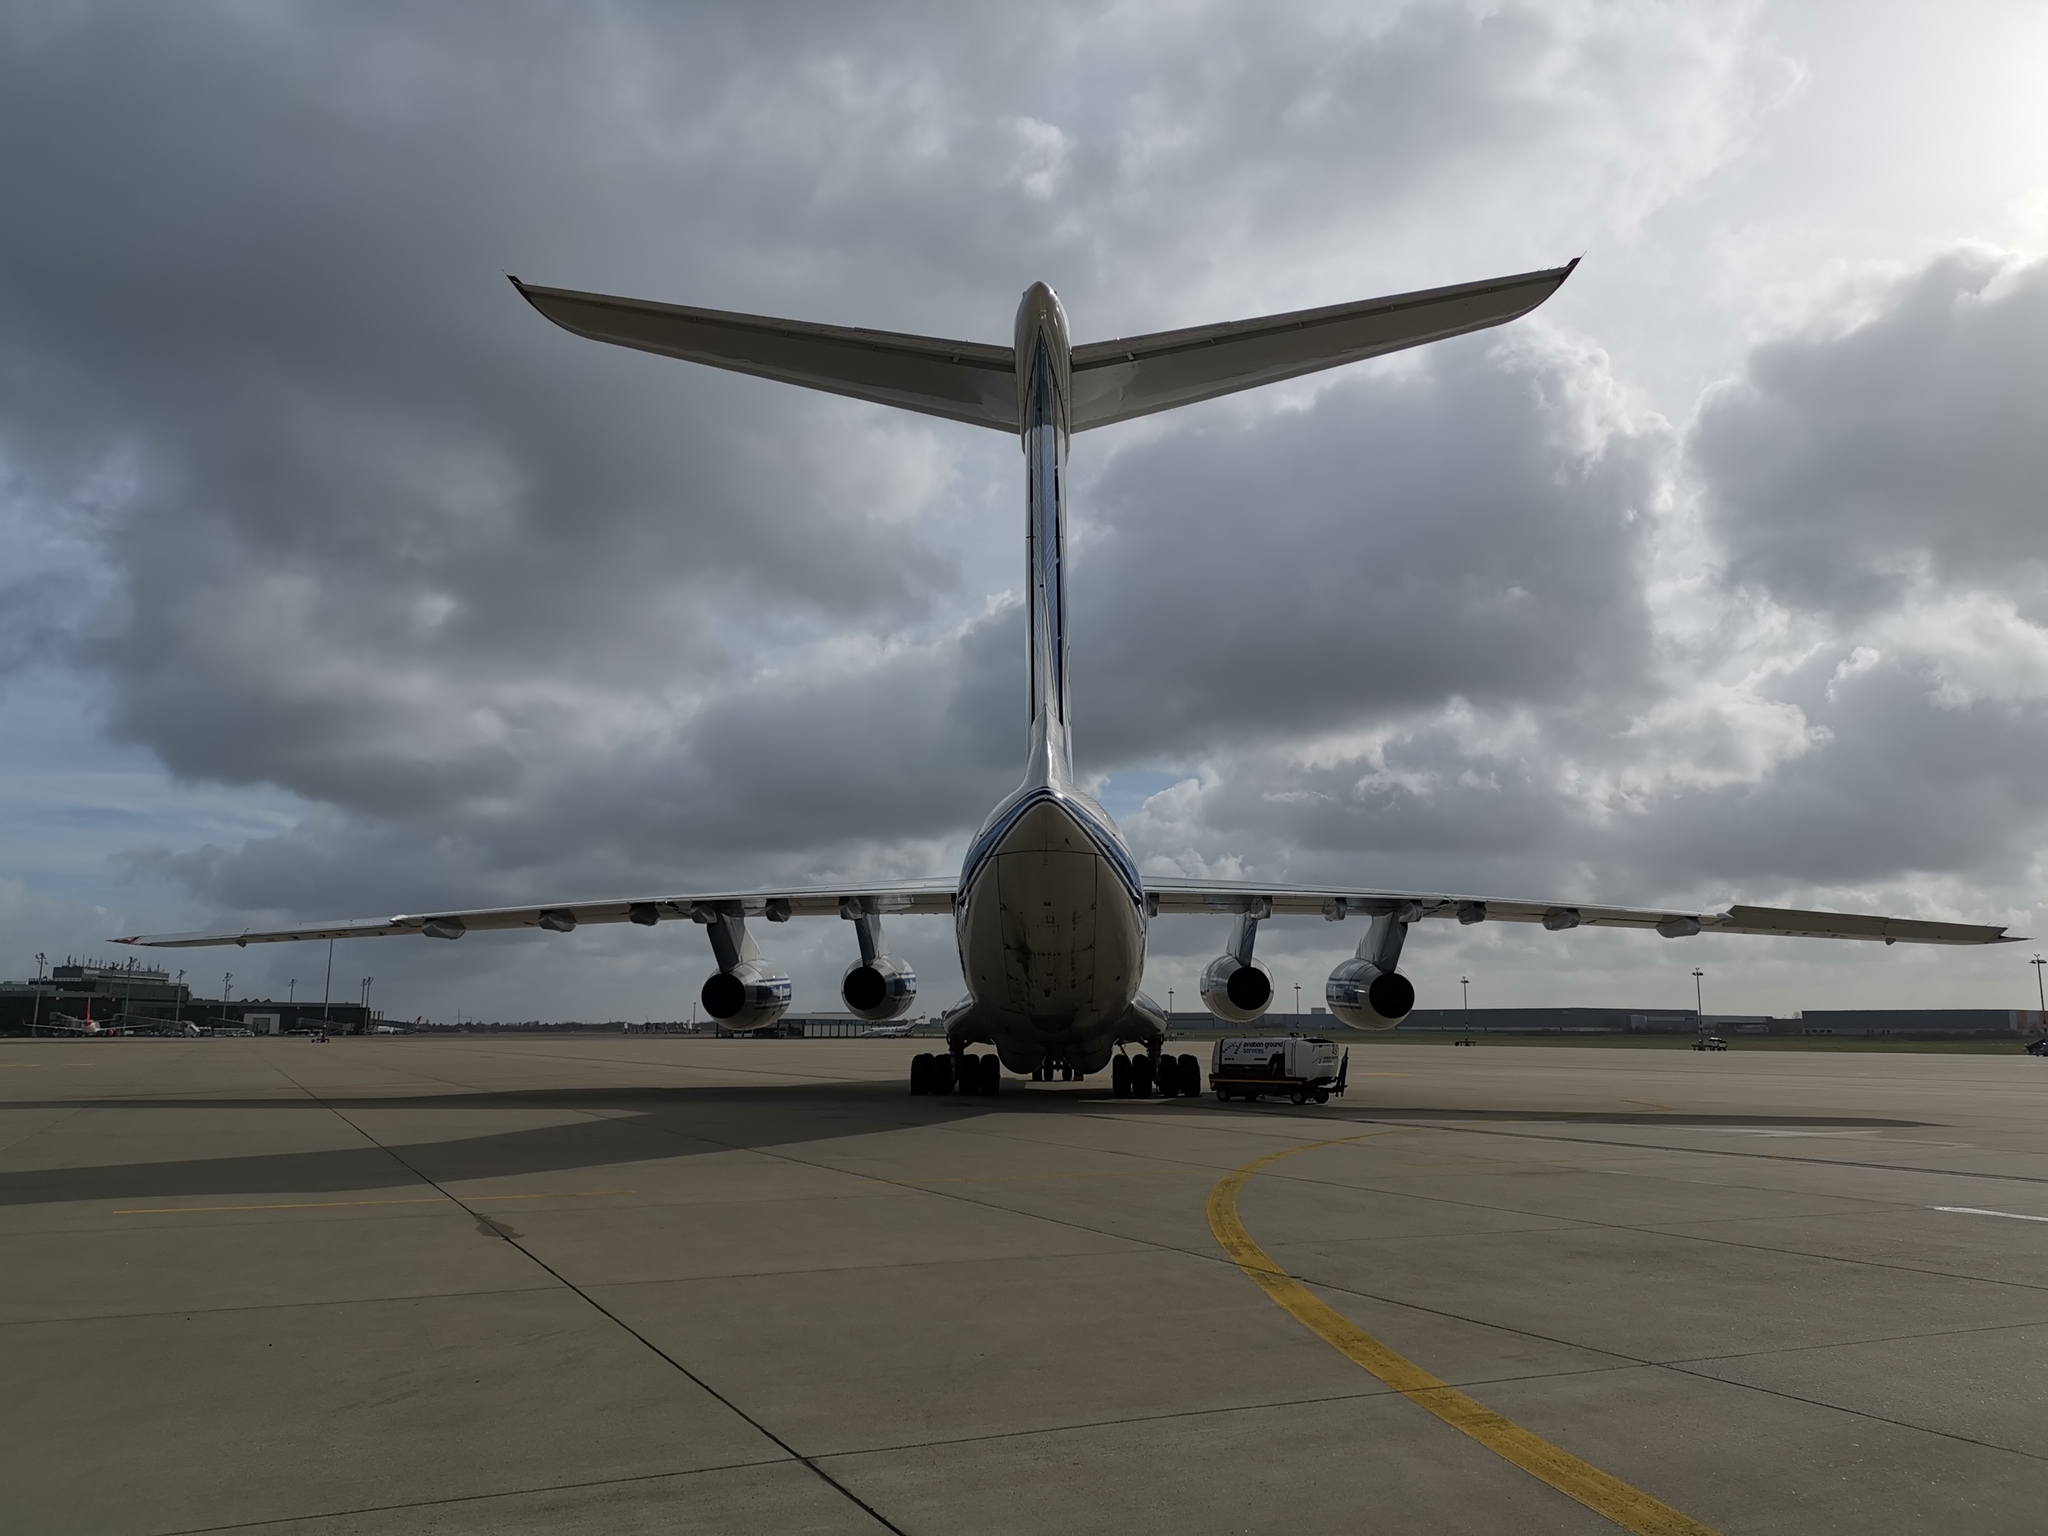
(1237, 991)
(746, 998)
(880, 988)
(1365, 996)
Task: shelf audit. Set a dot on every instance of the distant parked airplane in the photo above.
(1049, 909)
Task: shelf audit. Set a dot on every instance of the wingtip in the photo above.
(1569, 267)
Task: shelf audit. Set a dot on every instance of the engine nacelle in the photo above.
(1365, 996)
(1236, 991)
(747, 997)
(878, 989)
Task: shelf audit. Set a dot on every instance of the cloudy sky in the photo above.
(338, 583)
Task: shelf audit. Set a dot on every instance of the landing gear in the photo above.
(1141, 1077)
(1120, 1076)
(1051, 1070)
(962, 1074)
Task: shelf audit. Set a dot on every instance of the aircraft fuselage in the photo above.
(1050, 917)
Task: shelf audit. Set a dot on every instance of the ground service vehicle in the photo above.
(1302, 1067)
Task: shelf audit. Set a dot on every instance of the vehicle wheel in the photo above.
(1322, 1096)
(1299, 1096)
(1141, 1077)
(921, 1073)
(1222, 1095)
(1120, 1076)
(1191, 1076)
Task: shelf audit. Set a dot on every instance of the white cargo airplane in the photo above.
(1049, 909)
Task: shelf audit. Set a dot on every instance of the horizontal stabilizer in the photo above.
(1118, 380)
(960, 380)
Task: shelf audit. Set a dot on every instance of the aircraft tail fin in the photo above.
(1137, 375)
(960, 380)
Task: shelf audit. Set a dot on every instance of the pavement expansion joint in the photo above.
(478, 1498)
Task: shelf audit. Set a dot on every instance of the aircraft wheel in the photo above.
(920, 1073)
(1120, 1076)
(1166, 1077)
(1141, 1077)
(1191, 1076)
(991, 1074)
(942, 1075)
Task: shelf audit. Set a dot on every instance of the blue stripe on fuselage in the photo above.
(1106, 841)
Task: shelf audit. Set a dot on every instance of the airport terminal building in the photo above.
(146, 999)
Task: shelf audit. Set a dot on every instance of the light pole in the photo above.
(327, 994)
(36, 1018)
(1466, 983)
(1169, 1005)
(178, 1001)
(226, 977)
(1297, 999)
(1698, 998)
(291, 994)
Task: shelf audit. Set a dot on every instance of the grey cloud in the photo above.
(1844, 467)
(1452, 529)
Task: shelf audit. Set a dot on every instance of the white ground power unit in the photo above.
(1301, 1067)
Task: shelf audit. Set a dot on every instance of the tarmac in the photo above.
(635, 1284)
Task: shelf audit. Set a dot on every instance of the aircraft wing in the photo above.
(907, 897)
(1181, 896)
(960, 380)
(1118, 380)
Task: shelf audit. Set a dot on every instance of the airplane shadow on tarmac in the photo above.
(647, 1124)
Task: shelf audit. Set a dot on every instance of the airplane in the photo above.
(1049, 908)
(888, 1032)
(71, 1024)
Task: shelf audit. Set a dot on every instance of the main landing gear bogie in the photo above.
(937, 1073)
(1137, 1077)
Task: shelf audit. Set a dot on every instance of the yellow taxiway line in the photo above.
(1628, 1507)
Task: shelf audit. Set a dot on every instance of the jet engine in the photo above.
(1237, 991)
(878, 989)
(1237, 988)
(747, 997)
(1366, 991)
(744, 994)
(877, 986)
(1366, 997)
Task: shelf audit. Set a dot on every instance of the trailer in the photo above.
(1303, 1067)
